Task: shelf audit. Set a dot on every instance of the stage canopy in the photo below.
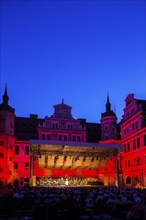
(64, 155)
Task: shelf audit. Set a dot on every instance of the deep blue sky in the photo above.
(75, 50)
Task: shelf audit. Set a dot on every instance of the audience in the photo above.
(62, 201)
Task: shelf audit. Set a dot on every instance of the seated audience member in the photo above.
(137, 210)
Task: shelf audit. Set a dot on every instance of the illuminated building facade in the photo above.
(62, 146)
(133, 139)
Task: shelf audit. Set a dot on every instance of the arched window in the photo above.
(128, 180)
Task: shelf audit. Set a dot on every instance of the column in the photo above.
(31, 167)
(116, 171)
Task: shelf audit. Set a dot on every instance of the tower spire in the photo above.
(5, 96)
(108, 104)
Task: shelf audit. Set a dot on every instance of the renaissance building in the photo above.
(72, 151)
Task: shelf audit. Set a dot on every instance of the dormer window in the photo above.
(136, 124)
(129, 99)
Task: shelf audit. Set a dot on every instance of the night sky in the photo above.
(73, 50)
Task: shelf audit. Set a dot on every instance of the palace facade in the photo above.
(60, 146)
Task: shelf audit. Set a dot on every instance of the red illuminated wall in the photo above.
(129, 167)
(133, 138)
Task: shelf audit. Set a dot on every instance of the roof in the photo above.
(62, 104)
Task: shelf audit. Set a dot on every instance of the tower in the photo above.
(7, 140)
(108, 123)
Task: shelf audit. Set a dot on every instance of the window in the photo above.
(133, 126)
(65, 138)
(1, 155)
(134, 145)
(128, 180)
(69, 126)
(11, 147)
(138, 142)
(1, 143)
(106, 128)
(1, 169)
(79, 138)
(26, 150)
(26, 165)
(10, 159)
(132, 110)
(60, 137)
(128, 146)
(17, 150)
(16, 165)
(48, 137)
(144, 140)
(74, 138)
(43, 136)
(124, 148)
(136, 124)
